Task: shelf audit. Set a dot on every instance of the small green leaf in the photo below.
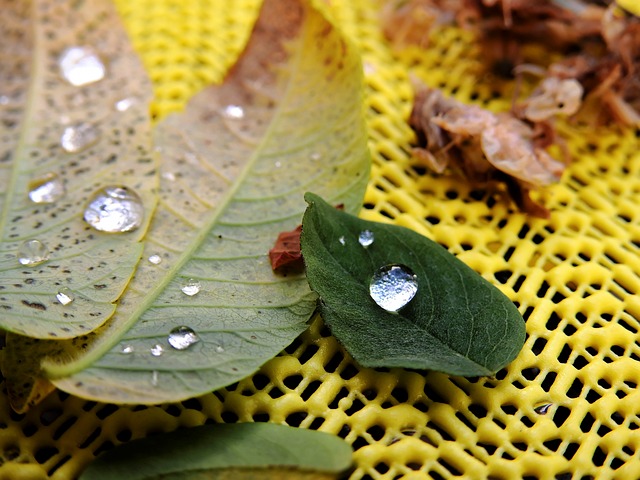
(457, 323)
(245, 450)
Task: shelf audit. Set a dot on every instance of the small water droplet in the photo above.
(182, 338)
(81, 66)
(278, 164)
(154, 378)
(342, 240)
(157, 350)
(126, 349)
(365, 238)
(76, 138)
(114, 209)
(4, 100)
(155, 259)
(124, 104)
(369, 68)
(191, 287)
(46, 189)
(219, 349)
(233, 111)
(32, 253)
(65, 296)
(169, 176)
(315, 156)
(393, 286)
(543, 409)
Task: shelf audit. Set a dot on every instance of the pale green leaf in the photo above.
(36, 106)
(234, 451)
(235, 167)
(457, 322)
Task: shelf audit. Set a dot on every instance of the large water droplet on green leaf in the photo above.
(115, 209)
(191, 287)
(366, 238)
(393, 286)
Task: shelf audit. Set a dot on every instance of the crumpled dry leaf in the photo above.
(483, 145)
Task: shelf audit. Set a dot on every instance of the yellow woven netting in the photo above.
(567, 408)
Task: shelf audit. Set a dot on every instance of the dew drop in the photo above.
(315, 156)
(233, 111)
(114, 209)
(191, 287)
(76, 138)
(81, 66)
(155, 259)
(46, 189)
(154, 378)
(65, 296)
(278, 164)
(124, 104)
(32, 253)
(126, 349)
(342, 240)
(169, 176)
(157, 350)
(543, 409)
(4, 100)
(182, 338)
(219, 349)
(365, 238)
(393, 286)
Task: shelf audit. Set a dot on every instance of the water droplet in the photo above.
(81, 66)
(32, 253)
(65, 296)
(124, 104)
(342, 240)
(219, 349)
(154, 378)
(127, 349)
(76, 138)
(393, 286)
(4, 100)
(46, 189)
(278, 164)
(369, 68)
(157, 350)
(169, 176)
(315, 156)
(155, 259)
(233, 111)
(365, 238)
(114, 209)
(182, 338)
(191, 287)
(543, 409)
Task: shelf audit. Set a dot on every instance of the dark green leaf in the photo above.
(246, 450)
(457, 323)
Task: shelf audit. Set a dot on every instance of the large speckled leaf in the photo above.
(219, 452)
(37, 105)
(235, 168)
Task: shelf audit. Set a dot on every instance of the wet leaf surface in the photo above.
(394, 298)
(234, 170)
(63, 68)
(238, 451)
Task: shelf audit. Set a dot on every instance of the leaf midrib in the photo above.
(36, 81)
(57, 370)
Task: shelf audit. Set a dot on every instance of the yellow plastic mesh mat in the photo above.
(567, 408)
